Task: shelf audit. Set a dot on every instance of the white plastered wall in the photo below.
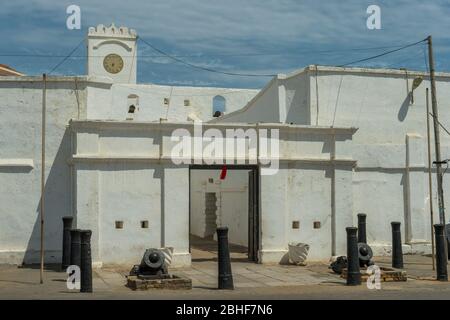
(20, 164)
(232, 202)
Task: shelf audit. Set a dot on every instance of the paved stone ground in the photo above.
(252, 281)
(251, 275)
(246, 274)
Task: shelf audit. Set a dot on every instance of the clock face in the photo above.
(113, 63)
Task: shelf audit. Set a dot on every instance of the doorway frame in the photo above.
(253, 253)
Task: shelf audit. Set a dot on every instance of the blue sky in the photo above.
(241, 36)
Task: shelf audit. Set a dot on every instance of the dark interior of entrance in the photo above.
(226, 198)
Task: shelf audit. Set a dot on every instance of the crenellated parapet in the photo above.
(112, 31)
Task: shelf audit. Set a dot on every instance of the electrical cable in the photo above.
(441, 125)
(383, 54)
(66, 57)
(402, 63)
(200, 55)
(208, 69)
(204, 68)
(195, 66)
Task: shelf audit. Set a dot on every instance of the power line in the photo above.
(402, 63)
(201, 55)
(195, 66)
(66, 57)
(205, 68)
(426, 59)
(440, 124)
(383, 54)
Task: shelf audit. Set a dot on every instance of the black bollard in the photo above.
(441, 254)
(67, 225)
(86, 261)
(447, 234)
(353, 271)
(75, 247)
(362, 228)
(397, 252)
(225, 275)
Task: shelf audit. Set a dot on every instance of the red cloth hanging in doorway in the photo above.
(223, 173)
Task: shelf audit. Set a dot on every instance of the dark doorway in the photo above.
(203, 245)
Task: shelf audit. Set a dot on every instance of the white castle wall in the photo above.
(68, 98)
(109, 101)
(390, 146)
(20, 164)
(124, 172)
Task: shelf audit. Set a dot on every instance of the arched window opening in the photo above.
(219, 106)
(132, 105)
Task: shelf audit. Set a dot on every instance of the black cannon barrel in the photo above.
(75, 247)
(441, 254)
(397, 252)
(353, 271)
(153, 259)
(86, 261)
(67, 226)
(362, 238)
(225, 275)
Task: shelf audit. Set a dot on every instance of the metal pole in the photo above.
(441, 253)
(44, 94)
(436, 132)
(430, 184)
(397, 251)
(362, 228)
(225, 274)
(86, 261)
(353, 270)
(67, 226)
(75, 247)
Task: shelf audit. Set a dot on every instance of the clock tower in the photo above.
(112, 53)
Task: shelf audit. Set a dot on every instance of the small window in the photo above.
(187, 103)
(133, 103)
(144, 224)
(119, 224)
(166, 101)
(219, 106)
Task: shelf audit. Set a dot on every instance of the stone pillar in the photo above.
(417, 223)
(87, 205)
(273, 217)
(175, 212)
(343, 206)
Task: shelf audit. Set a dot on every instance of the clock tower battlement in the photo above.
(112, 53)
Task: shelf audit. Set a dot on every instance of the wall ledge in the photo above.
(21, 163)
(78, 158)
